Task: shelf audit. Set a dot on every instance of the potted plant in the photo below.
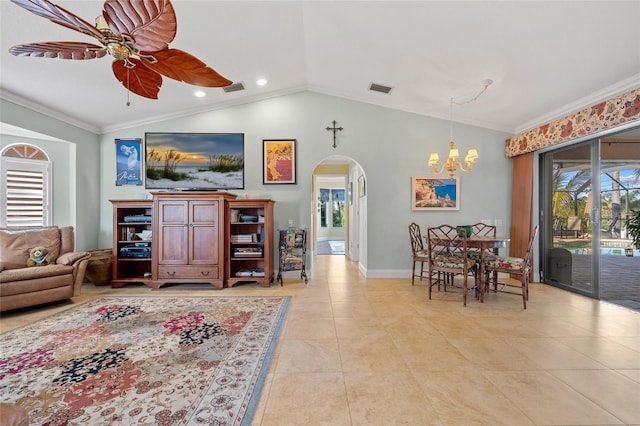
(633, 230)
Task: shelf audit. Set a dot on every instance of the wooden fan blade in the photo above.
(59, 49)
(59, 15)
(182, 66)
(139, 79)
(151, 23)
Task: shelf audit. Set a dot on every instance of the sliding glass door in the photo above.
(588, 189)
(619, 194)
(569, 241)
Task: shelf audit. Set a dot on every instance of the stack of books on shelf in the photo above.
(243, 238)
(247, 252)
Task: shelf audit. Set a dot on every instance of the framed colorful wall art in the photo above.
(128, 164)
(279, 161)
(435, 193)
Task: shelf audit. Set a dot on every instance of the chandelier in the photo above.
(451, 164)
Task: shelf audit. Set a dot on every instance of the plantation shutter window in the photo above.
(25, 191)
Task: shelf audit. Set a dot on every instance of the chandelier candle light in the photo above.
(451, 163)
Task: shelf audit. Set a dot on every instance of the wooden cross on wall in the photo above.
(334, 129)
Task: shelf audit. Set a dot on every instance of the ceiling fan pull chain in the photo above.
(128, 91)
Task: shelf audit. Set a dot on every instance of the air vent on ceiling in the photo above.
(380, 88)
(233, 87)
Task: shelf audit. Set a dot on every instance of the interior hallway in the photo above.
(358, 351)
(330, 247)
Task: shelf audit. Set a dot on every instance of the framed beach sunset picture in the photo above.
(435, 193)
(194, 161)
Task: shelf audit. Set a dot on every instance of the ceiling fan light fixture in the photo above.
(135, 33)
(199, 94)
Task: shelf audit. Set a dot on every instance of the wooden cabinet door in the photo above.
(203, 233)
(173, 227)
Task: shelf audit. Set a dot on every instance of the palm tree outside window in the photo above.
(332, 205)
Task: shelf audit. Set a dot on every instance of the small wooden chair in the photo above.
(447, 258)
(485, 230)
(514, 266)
(418, 253)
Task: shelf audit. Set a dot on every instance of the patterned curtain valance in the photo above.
(610, 113)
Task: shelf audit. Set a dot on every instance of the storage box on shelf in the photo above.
(132, 233)
(249, 253)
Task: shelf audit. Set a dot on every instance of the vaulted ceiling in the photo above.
(546, 59)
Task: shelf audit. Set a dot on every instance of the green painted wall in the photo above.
(389, 145)
(77, 182)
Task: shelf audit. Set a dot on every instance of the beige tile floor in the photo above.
(358, 351)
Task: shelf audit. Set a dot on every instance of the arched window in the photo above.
(25, 172)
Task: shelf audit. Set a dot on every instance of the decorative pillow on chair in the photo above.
(504, 262)
(449, 261)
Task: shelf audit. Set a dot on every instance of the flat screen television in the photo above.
(194, 161)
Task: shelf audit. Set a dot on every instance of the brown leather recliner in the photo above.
(22, 286)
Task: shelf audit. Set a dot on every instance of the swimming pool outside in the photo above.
(604, 251)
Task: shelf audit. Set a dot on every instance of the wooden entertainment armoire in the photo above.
(190, 240)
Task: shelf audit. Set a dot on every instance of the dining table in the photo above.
(484, 243)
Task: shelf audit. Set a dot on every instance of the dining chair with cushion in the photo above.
(517, 268)
(418, 253)
(448, 258)
(484, 230)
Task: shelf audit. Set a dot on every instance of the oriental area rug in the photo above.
(144, 361)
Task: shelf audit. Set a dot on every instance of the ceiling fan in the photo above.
(136, 33)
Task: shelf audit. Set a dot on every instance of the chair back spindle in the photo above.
(516, 267)
(418, 253)
(448, 258)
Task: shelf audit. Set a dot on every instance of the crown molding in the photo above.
(582, 103)
(34, 106)
(201, 109)
(10, 130)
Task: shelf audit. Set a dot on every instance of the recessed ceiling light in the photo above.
(261, 82)
(200, 94)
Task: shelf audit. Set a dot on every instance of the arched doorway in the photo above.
(337, 215)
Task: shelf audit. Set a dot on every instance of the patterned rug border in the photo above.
(247, 420)
(264, 363)
(75, 305)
